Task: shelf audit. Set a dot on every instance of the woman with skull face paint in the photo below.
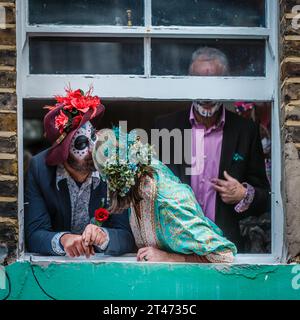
(64, 190)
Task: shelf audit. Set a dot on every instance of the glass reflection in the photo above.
(86, 55)
(173, 56)
(87, 12)
(208, 13)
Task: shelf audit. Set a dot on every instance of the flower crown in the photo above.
(74, 105)
(122, 158)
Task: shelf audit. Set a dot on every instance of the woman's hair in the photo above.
(118, 203)
(122, 165)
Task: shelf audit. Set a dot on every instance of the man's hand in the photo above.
(74, 247)
(155, 255)
(93, 235)
(231, 191)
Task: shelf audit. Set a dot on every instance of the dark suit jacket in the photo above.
(239, 136)
(48, 211)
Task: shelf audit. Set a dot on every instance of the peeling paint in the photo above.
(151, 281)
(248, 271)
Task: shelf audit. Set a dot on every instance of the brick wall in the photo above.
(290, 89)
(8, 129)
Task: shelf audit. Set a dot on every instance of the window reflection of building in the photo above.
(82, 12)
(209, 13)
(60, 55)
(172, 56)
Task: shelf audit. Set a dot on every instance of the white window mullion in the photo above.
(166, 32)
(147, 40)
(148, 13)
(272, 7)
(147, 56)
(211, 32)
(277, 216)
(85, 31)
(154, 88)
(26, 12)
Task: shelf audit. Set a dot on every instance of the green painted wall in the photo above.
(155, 281)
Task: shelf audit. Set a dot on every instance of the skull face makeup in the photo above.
(213, 107)
(83, 141)
(80, 155)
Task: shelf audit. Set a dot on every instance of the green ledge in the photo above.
(115, 280)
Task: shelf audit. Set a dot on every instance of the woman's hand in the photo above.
(155, 255)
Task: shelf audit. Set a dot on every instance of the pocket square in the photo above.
(237, 157)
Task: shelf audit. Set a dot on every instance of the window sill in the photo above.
(259, 259)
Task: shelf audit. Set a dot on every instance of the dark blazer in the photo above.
(48, 211)
(240, 136)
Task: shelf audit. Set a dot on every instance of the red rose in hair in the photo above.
(92, 102)
(61, 121)
(101, 215)
(80, 104)
(66, 100)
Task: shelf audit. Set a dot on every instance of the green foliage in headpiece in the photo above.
(127, 157)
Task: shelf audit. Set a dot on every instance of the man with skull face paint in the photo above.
(64, 189)
(233, 182)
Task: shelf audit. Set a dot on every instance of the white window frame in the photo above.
(146, 87)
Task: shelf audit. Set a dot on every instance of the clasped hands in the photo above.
(82, 245)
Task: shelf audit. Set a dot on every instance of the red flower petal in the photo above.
(101, 215)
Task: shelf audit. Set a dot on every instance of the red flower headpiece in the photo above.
(73, 106)
(65, 117)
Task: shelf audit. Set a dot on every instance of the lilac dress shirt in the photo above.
(206, 148)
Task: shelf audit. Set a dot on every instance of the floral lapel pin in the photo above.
(237, 157)
(101, 215)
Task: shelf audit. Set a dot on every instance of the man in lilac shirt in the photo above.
(230, 183)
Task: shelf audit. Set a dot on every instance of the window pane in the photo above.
(173, 56)
(86, 56)
(87, 12)
(208, 13)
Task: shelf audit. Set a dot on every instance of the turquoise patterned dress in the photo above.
(171, 219)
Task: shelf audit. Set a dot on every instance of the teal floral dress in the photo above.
(170, 218)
